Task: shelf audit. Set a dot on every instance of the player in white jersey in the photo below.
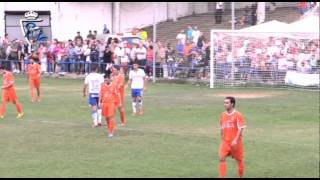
(138, 84)
(93, 83)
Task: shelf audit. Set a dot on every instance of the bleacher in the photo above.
(167, 31)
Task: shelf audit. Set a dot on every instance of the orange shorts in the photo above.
(34, 82)
(235, 152)
(9, 96)
(119, 101)
(108, 109)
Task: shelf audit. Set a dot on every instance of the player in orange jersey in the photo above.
(119, 80)
(34, 74)
(107, 101)
(9, 93)
(231, 125)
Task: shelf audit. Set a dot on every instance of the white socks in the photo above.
(94, 115)
(99, 116)
(134, 107)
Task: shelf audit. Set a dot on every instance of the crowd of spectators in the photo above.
(265, 58)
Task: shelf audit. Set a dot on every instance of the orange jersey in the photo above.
(231, 124)
(108, 93)
(8, 78)
(119, 81)
(34, 71)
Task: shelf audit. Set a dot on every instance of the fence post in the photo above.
(154, 42)
(232, 44)
(211, 60)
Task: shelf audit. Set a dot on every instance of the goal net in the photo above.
(264, 58)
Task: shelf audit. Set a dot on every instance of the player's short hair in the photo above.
(117, 67)
(232, 100)
(3, 67)
(107, 75)
(94, 67)
(135, 62)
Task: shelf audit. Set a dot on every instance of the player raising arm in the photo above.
(138, 83)
(231, 125)
(9, 93)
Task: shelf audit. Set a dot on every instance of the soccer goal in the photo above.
(255, 58)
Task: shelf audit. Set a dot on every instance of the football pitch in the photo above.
(178, 136)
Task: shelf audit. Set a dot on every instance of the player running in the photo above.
(138, 83)
(93, 83)
(231, 125)
(34, 74)
(9, 93)
(119, 81)
(108, 97)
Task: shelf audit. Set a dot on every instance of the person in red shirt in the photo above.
(107, 101)
(119, 80)
(9, 93)
(231, 125)
(34, 74)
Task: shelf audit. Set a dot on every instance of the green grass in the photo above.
(177, 137)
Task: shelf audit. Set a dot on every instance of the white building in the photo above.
(63, 19)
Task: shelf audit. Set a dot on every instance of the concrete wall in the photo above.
(69, 17)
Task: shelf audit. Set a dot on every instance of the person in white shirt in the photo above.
(138, 84)
(261, 12)
(93, 83)
(141, 55)
(182, 37)
(195, 35)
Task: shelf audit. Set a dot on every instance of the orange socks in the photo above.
(18, 107)
(222, 169)
(240, 168)
(110, 124)
(122, 117)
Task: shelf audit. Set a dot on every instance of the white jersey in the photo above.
(137, 79)
(94, 81)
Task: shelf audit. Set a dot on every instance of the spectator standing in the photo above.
(195, 35)
(107, 61)
(201, 40)
(90, 35)
(261, 10)
(42, 51)
(302, 7)
(95, 35)
(149, 64)
(160, 58)
(254, 14)
(141, 55)
(105, 29)
(189, 33)
(181, 37)
(218, 13)
(171, 62)
(78, 37)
